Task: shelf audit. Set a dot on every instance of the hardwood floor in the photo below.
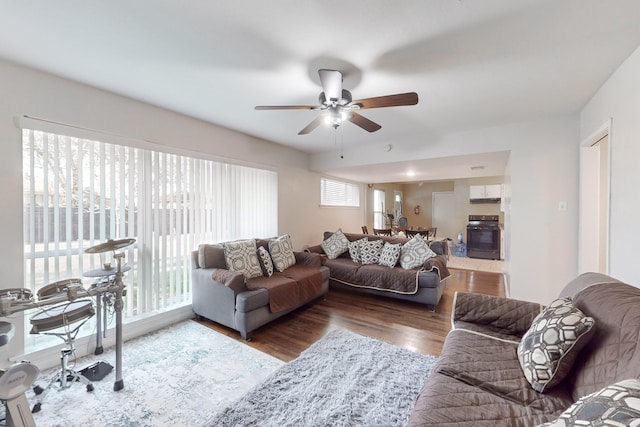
(405, 324)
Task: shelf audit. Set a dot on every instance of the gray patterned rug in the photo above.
(178, 376)
(344, 379)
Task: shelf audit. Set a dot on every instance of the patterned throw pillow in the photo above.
(614, 405)
(415, 252)
(552, 343)
(390, 254)
(265, 261)
(241, 256)
(335, 245)
(281, 251)
(354, 249)
(370, 251)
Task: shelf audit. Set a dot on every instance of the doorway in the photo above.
(443, 214)
(595, 172)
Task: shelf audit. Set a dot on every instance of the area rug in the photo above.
(178, 376)
(344, 379)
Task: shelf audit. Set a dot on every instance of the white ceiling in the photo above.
(473, 63)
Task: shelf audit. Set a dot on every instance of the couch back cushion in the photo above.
(613, 353)
(211, 256)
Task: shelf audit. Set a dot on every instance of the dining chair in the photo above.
(431, 232)
(382, 231)
(365, 230)
(412, 233)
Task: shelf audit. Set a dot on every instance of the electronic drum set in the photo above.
(69, 309)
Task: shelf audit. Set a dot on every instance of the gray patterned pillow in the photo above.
(281, 251)
(370, 251)
(415, 252)
(552, 343)
(614, 405)
(335, 245)
(265, 262)
(390, 254)
(354, 249)
(241, 256)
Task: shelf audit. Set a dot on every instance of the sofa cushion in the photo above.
(335, 245)
(414, 253)
(370, 251)
(615, 405)
(241, 256)
(552, 343)
(281, 251)
(354, 249)
(211, 256)
(478, 382)
(265, 261)
(390, 254)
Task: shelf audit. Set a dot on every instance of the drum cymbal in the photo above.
(110, 245)
(101, 272)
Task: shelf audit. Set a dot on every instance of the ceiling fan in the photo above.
(338, 106)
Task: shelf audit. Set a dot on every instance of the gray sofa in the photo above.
(228, 298)
(425, 285)
(479, 381)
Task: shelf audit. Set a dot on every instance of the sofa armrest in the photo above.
(316, 249)
(501, 315)
(308, 259)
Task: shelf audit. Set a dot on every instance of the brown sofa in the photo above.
(226, 297)
(478, 380)
(425, 285)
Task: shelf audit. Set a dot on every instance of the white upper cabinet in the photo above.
(480, 192)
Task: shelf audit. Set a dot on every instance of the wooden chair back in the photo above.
(382, 232)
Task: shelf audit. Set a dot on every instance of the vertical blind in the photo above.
(339, 193)
(78, 193)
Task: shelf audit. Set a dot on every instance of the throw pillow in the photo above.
(335, 245)
(241, 256)
(552, 343)
(614, 405)
(390, 254)
(281, 251)
(370, 251)
(354, 249)
(265, 262)
(415, 252)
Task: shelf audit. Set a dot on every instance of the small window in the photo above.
(338, 193)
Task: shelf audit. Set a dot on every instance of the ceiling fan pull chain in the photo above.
(341, 144)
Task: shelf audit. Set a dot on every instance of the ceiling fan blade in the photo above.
(363, 122)
(311, 126)
(331, 84)
(287, 107)
(398, 100)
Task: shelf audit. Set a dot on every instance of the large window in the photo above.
(339, 193)
(78, 193)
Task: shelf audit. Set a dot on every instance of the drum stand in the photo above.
(65, 375)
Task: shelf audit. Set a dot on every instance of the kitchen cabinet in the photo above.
(480, 192)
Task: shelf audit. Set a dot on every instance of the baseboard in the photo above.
(50, 357)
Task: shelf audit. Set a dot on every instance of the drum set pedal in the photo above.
(97, 371)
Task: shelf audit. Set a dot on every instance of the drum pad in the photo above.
(97, 371)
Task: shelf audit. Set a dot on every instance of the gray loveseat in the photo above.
(228, 298)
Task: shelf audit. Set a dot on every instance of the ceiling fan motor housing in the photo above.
(346, 98)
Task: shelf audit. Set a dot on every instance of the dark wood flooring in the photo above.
(405, 324)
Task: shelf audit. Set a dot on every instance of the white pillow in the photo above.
(354, 249)
(335, 245)
(241, 256)
(370, 251)
(281, 251)
(415, 252)
(390, 254)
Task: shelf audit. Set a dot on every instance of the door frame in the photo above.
(584, 243)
